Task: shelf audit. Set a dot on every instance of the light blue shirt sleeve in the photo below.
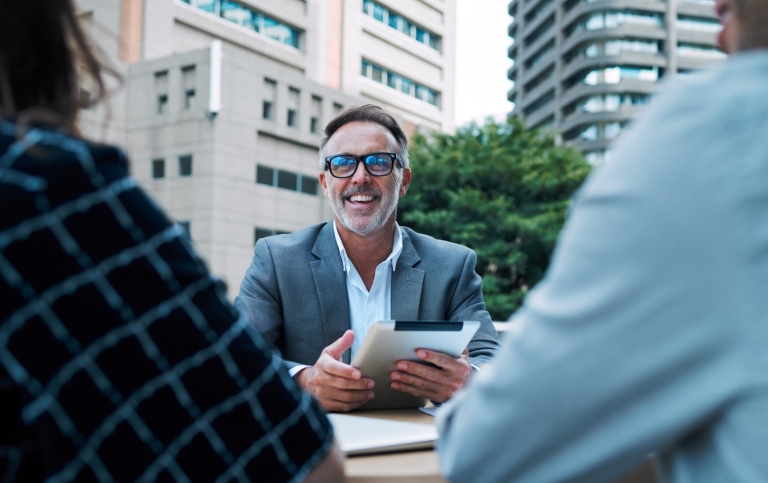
(649, 330)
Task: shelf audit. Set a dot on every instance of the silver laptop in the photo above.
(359, 435)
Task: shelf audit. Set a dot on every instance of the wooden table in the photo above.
(418, 466)
(422, 466)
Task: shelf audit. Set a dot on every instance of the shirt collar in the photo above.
(397, 248)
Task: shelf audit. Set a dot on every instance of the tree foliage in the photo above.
(500, 189)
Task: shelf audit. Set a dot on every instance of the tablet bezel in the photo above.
(389, 341)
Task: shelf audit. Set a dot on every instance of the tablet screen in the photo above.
(389, 341)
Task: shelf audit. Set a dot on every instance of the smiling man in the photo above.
(315, 293)
(649, 332)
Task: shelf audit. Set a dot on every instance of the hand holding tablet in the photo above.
(336, 386)
(405, 378)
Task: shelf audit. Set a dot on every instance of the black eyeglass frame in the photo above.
(360, 160)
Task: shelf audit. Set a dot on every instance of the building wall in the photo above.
(163, 111)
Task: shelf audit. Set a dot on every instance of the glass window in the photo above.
(252, 20)
(377, 74)
(266, 110)
(589, 133)
(398, 22)
(432, 97)
(405, 85)
(185, 165)
(368, 7)
(698, 50)
(309, 185)
(316, 112)
(396, 81)
(611, 130)
(391, 80)
(292, 118)
(379, 12)
(265, 175)
(394, 21)
(287, 180)
(260, 233)
(189, 99)
(272, 28)
(230, 11)
(189, 82)
(700, 24)
(257, 22)
(206, 5)
(158, 168)
(542, 101)
(162, 104)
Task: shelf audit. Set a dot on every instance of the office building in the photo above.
(223, 102)
(585, 68)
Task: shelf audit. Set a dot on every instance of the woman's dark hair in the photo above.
(43, 54)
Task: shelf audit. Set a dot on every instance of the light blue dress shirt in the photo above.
(366, 307)
(649, 332)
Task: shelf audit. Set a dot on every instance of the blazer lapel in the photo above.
(331, 287)
(406, 283)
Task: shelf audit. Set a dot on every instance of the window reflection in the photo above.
(398, 82)
(250, 19)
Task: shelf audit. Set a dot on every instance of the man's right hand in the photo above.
(337, 386)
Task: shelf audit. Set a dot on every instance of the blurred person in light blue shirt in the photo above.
(649, 333)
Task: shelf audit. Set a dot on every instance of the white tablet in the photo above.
(389, 341)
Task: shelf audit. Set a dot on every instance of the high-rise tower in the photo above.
(586, 67)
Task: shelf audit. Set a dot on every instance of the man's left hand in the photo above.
(438, 382)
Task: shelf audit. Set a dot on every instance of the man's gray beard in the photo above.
(378, 220)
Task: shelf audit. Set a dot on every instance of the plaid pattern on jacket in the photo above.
(120, 358)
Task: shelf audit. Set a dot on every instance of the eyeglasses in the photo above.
(345, 165)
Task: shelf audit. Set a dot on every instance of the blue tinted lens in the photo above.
(378, 163)
(343, 164)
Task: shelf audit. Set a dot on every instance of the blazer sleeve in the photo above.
(259, 299)
(638, 339)
(467, 304)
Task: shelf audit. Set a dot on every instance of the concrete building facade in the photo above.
(585, 68)
(223, 103)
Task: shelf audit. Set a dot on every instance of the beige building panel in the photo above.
(401, 61)
(292, 12)
(405, 44)
(277, 153)
(407, 108)
(230, 264)
(156, 26)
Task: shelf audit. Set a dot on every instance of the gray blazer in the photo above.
(295, 291)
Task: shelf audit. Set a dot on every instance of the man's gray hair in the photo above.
(372, 114)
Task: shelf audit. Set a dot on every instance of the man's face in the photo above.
(745, 24)
(363, 203)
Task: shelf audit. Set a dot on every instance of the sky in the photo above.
(481, 60)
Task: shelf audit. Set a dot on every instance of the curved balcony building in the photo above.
(586, 68)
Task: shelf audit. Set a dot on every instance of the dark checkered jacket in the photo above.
(120, 358)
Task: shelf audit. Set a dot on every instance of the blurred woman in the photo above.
(120, 358)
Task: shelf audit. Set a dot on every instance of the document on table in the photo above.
(358, 435)
(431, 410)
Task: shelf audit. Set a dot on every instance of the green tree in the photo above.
(501, 189)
